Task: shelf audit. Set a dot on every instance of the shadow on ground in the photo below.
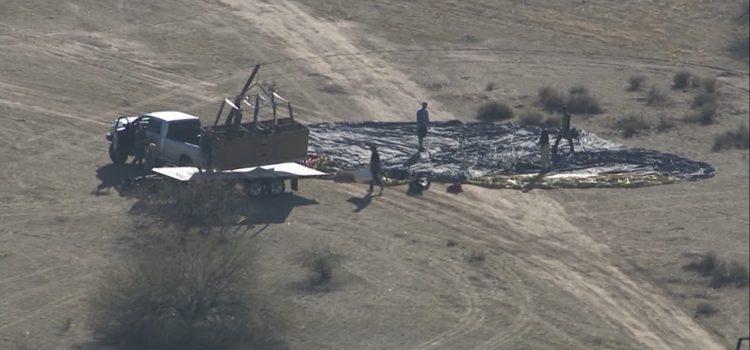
(114, 176)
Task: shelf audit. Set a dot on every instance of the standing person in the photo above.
(544, 149)
(140, 144)
(375, 169)
(423, 123)
(564, 131)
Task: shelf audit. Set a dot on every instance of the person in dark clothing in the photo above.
(564, 131)
(423, 123)
(544, 149)
(375, 169)
(140, 144)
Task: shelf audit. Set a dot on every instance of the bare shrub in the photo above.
(739, 47)
(451, 243)
(489, 87)
(333, 89)
(321, 260)
(665, 124)
(531, 118)
(476, 256)
(635, 82)
(743, 12)
(737, 139)
(681, 80)
(722, 273)
(704, 310)
(710, 85)
(581, 101)
(704, 264)
(180, 292)
(656, 97)
(704, 115)
(550, 98)
(631, 125)
(703, 98)
(729, 273)
(189, 204)
(494, 111)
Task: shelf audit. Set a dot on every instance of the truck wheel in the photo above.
(255, 189)
(276, 187)
(185, 161)
(117, 157)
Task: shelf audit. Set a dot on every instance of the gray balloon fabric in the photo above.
(480, 152)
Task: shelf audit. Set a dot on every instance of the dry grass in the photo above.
(732, 139)
(494, 111)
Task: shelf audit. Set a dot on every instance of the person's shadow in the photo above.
(534, 180)
(361, 203)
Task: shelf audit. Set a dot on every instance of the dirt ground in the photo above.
(561, 269)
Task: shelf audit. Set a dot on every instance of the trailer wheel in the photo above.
(255, 189)
(276, 187)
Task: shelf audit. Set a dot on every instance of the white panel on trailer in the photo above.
(265, 171)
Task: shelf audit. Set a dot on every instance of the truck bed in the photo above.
(261, 144)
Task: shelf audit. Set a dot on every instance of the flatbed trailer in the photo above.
(255, 181)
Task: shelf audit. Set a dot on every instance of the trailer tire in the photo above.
(276, 187)
(115, 156)
(255, 189)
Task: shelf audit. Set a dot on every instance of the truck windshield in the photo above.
(184, 131)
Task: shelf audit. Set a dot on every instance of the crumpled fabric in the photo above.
(495, 155)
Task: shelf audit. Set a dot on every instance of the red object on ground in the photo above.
(455, 188)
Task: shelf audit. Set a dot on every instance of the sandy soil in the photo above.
(563, 269)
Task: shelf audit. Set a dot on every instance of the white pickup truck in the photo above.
(175, 135)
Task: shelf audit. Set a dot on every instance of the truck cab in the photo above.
(173, 137)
